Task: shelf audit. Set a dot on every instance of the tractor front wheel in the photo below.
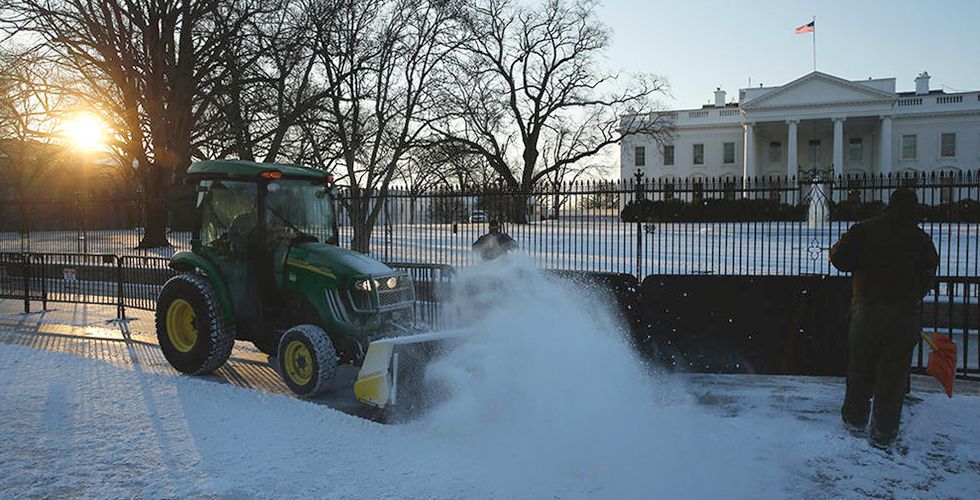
(191, 327)
(307, 360)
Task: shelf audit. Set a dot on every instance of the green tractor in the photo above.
(265, 267)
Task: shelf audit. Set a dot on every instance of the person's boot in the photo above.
(882, 436)
(854, 415)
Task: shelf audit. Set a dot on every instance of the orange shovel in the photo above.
(942, 360)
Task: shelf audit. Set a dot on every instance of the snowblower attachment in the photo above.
(393, 369)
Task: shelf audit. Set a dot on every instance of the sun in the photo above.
(86, 131)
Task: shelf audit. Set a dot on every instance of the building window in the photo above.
(947, 146)
(775, 152)
(699, 154)
(908, 147)
(640, 156)
(814, 151)
(669, 154)
(854, 151)
(728, 152)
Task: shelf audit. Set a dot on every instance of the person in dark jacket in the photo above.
(893, 264)
(495, 243)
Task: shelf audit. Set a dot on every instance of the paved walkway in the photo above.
(93, 331)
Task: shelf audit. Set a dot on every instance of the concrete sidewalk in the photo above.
(93, 331)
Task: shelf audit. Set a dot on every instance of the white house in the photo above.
(817, 122)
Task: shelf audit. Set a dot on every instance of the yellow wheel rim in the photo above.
(298, 362)
(180, 325)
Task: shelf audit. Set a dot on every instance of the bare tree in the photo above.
(379, 60)
(148, 65)
(269, 88)
(529, 82)
(30, 100)
(601, 195)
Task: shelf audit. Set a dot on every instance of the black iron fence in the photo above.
(90, 226)
(720, 226)
(773, 226)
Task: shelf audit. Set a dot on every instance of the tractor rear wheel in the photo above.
(192, 330)
(307, 360)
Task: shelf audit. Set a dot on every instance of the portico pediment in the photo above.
(818, 90)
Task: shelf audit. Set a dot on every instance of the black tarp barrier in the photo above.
(745, 324)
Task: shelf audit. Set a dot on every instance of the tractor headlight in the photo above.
(384, 293)
(365, 285)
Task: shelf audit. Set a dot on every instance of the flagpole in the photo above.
(814, 31)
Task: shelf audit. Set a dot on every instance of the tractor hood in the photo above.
(334, 261)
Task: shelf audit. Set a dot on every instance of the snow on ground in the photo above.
(546, 401)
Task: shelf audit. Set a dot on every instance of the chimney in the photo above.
(719, 98)
(922, 83)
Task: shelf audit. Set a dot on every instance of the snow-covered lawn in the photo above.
(72, 427)
(590, 243)
(545, 402)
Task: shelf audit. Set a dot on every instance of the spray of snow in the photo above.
(550, 389)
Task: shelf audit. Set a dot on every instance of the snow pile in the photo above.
(552, 394)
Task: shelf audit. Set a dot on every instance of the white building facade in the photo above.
(816, 123)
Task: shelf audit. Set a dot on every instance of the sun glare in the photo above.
(86, 131)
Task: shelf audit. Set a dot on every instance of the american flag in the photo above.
(805, 28)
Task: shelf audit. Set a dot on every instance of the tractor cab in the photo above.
(250, 213)
(241, 216)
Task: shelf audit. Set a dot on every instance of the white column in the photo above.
(886, 145)
(838, 147)
(792, 163)
(749, 160)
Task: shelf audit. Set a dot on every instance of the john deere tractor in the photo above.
(265, 267)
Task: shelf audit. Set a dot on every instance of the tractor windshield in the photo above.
(295, 208)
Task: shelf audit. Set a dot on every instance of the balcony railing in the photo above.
(949, 99)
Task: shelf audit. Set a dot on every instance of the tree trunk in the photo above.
(359, 220)
(155, 216)
(362, 237)
(155, 211)
(518, 208)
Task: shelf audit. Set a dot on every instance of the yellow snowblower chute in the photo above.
(396, 365)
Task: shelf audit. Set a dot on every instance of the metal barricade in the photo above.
(140, 281)
(75, 278)
(16, 271)
(432, 282)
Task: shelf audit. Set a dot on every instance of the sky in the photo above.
(699, 45)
